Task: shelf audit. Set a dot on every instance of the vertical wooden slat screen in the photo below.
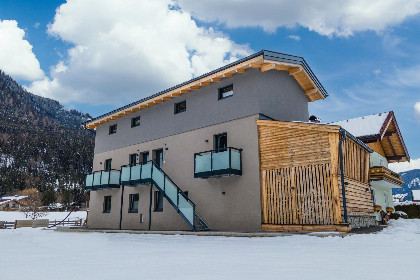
(300, 175)
(298, 195)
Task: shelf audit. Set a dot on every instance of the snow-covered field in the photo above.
(11, 216)
(44, 254)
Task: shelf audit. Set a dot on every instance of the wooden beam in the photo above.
(305, 228)
(216, 79)
(227, 75)
(390, 133)
(176, 94)
(333, 139)
(295, 70)
(311, 91)
(204, 83)
(390, 144)
(267, 67)
(185, 91)
(142, 106)
(240, 70)
(194, 87)
(255, 65)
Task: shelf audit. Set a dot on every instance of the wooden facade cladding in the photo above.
(300, 176)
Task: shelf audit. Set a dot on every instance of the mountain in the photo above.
(42, 145)
(412, 182)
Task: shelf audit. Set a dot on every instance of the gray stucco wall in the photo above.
(238, 209)
(273, 93)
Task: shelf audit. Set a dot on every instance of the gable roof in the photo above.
(264, 60)
(16, 198)
(379, 128)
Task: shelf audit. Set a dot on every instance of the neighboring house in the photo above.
(12, 203)
(416, 195)
(231, 150)
(381, 133)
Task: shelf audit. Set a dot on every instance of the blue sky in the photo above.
(98, 55)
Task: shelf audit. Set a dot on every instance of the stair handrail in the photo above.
(165, 175)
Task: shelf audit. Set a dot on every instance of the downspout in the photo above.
(343, 184)
(121, 208)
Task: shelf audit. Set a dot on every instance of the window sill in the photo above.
(158, 210)
(130, 212)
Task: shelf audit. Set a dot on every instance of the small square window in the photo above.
(107, 204)
(180, 107)
(134, 203)
(226, 92)
(158, 201)
(113, 129)
(135, 121)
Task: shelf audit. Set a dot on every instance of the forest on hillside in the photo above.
(42, 144)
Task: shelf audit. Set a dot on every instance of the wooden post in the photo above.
(334, 138)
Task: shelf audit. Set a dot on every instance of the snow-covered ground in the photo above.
(44, 254)
(11, 216)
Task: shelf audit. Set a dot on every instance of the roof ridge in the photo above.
(361, 117)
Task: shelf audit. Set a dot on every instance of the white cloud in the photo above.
(16, 56)
(37, 25)
(405, 166)
(341, 18)
(377, 71)
(417, 111)
(125, 50)
(295, 37)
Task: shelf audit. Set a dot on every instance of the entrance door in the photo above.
(159, 157)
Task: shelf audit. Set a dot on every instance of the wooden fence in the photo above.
(298, 195)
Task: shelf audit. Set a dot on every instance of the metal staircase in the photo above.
(149, 172)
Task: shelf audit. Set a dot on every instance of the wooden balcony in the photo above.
(382, 173)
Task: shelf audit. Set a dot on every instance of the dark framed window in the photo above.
(220, 142)
(225, 92)
(107, 204)
(159, 157)
(134, 203)
(180, 107)
(135, 121)
(158, 201)
(133, 159)
(108, 163)
(113, 129)
(145, 157)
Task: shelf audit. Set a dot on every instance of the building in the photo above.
(416, 195)
(231, 150)
(381, 133)
(13, 203)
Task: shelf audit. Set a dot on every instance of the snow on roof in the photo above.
(14, 197)
(416, 194)
(7, 199)
(364, 126)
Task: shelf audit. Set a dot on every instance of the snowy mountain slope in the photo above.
(41, 143)
(412, 182)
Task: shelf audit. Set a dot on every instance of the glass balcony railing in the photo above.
(216, 163)
(136, 174)
(103, 179)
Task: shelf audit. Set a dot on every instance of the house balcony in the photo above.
(136, 174)
(103, 179)
(218, 163)
(385, 176)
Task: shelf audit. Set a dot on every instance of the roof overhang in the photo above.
(390, 140)
(263, 60)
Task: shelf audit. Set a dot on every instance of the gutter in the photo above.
(343, 184)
